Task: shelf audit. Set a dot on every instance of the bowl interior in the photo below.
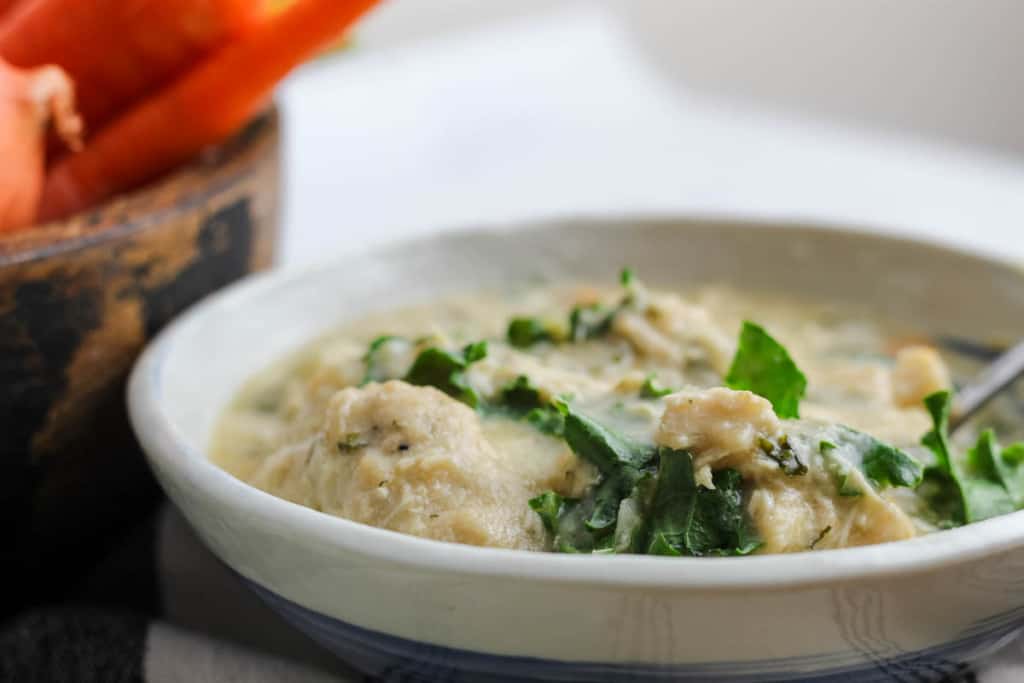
(191, 372)
(244, 329)
(447, 595)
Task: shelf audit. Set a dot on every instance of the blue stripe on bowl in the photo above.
(399, 660)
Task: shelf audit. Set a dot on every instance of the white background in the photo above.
(942, 68)
(564, 113)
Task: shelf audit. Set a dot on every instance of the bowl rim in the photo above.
(166, 447)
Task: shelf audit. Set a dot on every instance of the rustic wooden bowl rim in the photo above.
(181, 190)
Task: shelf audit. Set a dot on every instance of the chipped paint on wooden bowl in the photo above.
(78, 301)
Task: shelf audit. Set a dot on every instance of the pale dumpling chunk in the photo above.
(919, 371)
(795, 513)
(792, 512)
(410, 459)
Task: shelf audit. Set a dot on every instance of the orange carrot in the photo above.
(7, 5)
(29, 102)
(119, 51)
(202, 108)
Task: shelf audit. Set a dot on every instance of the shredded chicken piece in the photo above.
(675, 332)
(717, 422)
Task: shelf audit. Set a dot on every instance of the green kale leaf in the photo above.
(686, 519)
(762, 365)
(549, 506)
(602, 446)
(548, 420)
(521, 399)
(840, 470)
(651, 388)
(882, 464)
(992, 462)
(985, 490)
(1014, 453)
(631, 526)
(941, 492)
(446, 371)
(720, 524)
(520, 396)
(590, 524)
(373, 372)
(938, 406)
(967, 490)
(474, 352)
(525, 332)
(607, 497)
(618, 458)
(667, 513)
(590, 322)
(1008, 465)
(585, 526)
(846, 451)
(887, 465)
(571, 534)
(783, 452)
(674, 505)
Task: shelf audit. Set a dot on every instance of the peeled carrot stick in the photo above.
(30, 101)
(119, 51)
(204, 107)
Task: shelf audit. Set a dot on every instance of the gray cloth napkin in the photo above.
(162, 609)
(216, 615)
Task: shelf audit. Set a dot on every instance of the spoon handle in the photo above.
(998, 375)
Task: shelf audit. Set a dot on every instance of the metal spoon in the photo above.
(996, 376)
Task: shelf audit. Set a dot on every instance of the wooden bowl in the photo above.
(78, 300)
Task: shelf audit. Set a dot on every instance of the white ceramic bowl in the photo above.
(411, 609)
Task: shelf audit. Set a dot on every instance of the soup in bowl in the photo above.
(479, 456)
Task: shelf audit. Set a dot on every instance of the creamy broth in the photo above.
(424, 460)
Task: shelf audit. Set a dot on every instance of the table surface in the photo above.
(560, 115)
